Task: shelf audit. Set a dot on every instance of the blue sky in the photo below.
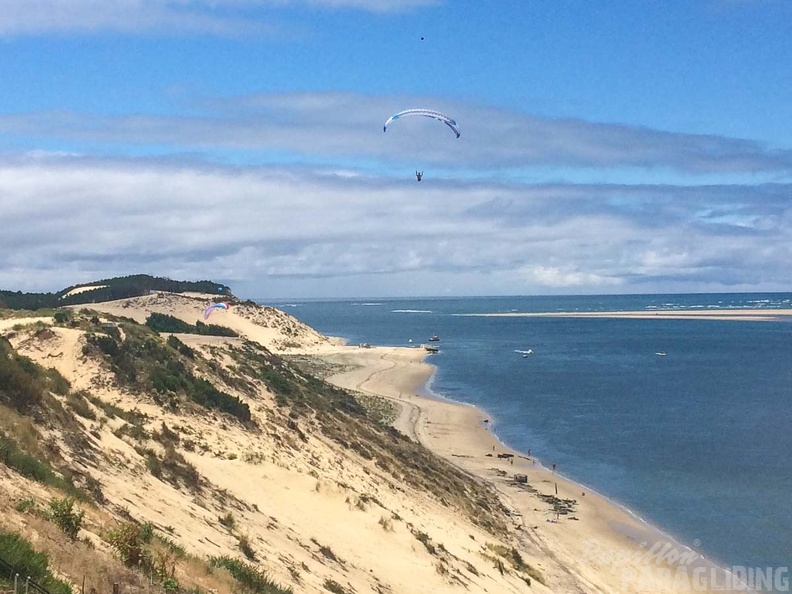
(607, 147)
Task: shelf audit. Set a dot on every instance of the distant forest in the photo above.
(115, 288)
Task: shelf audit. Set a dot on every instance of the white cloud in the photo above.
(212, 17)
(375, 5)
(288, 231)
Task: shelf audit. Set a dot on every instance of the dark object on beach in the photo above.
(505, 455)
(486, 420)
(521, 478)
(489, 455)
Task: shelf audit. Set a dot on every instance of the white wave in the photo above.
(411, 311)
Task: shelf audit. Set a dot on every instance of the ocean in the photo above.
(697, 441)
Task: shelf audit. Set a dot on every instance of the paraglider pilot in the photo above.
(418, 175)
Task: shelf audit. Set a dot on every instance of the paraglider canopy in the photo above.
(427, 113)
(208, 311)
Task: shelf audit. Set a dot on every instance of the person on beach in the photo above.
(553, 467)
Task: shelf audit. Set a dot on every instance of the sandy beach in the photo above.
(598, 546)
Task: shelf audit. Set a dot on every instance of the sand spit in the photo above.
(744, 315)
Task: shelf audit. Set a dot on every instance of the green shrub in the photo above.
(19, 553)
(28, 504)
(61, 317)
(107, 345)
(62, 514)
(205, 394)
(77, 402)
(334, 587)
(246, 547)
(22, 385)
(129, 542)
(182, 348)
(249, 576)
(34, 468)
(228, 521)
(57, 383)
(165, 323)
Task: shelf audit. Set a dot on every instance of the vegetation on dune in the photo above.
(110, 289)
(251, 579)
(32, 467)
(62, 513)
(23, 383)
(36, 401)
(343, 419)
(144, 362)
(165, 323)
(20, 554)
(512, 556)
(25, 400)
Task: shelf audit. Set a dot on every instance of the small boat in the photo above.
(434, 338)
(660, 353)
(431, 348)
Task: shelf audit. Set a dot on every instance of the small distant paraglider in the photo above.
(418, 175)
(215, 306)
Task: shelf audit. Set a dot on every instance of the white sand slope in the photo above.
(314, 511)
(268, 326)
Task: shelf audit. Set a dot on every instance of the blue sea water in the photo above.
(697, 442)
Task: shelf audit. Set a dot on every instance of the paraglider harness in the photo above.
(418, 175)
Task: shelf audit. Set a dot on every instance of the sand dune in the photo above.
(315, 511)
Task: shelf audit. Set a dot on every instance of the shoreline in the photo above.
(597, 544)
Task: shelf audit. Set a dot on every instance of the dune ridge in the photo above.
(310, 489)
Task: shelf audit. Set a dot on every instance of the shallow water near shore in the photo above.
(695, 440)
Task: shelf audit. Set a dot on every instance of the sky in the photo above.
(609, 147)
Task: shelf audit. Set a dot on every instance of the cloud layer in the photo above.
(345, 125)
(291, 231)
(207, 17)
